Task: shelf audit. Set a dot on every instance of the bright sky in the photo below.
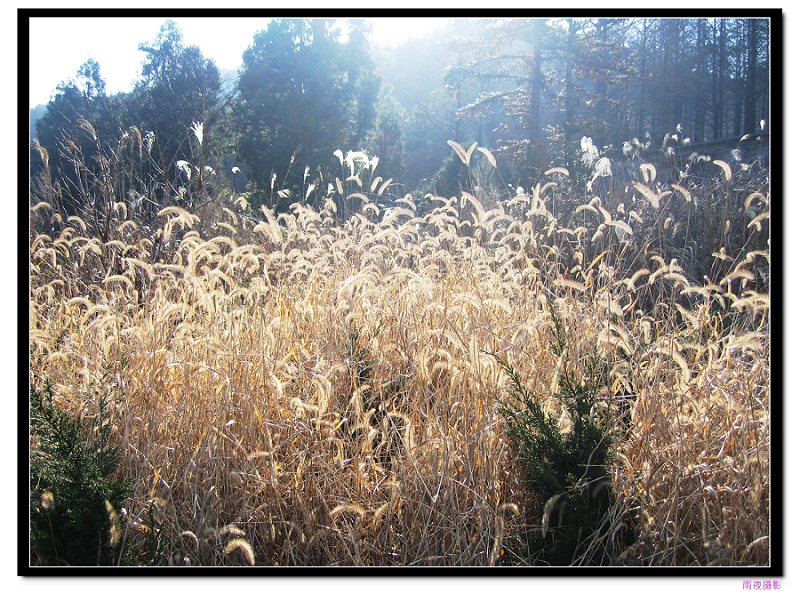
(113, 42)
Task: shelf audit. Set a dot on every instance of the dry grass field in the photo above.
(329, 386)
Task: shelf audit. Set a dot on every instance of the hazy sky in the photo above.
(113, 42)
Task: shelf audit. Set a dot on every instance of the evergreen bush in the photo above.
(566, 470)
(73, 499)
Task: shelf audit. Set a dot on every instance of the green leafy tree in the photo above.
(430, 126)
(307, 88)
(386, 140)
(62, 133)
(178, 87)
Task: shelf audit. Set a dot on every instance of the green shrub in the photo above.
(73, 501)
(565, 470)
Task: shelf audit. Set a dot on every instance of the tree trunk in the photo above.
(534, 121)
(569, 97)
(750, 80)
(721, 76)
(738, 96)
(603, 111)
(642, 76)
(698, 134)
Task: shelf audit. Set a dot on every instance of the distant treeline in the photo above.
(531, 90)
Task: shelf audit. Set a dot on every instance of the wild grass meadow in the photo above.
(506, 376)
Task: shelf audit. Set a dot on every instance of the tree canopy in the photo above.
(306, 89)
(178, 87)
(536, 92)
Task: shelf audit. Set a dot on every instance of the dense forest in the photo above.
(533, 91)
(499, 296)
